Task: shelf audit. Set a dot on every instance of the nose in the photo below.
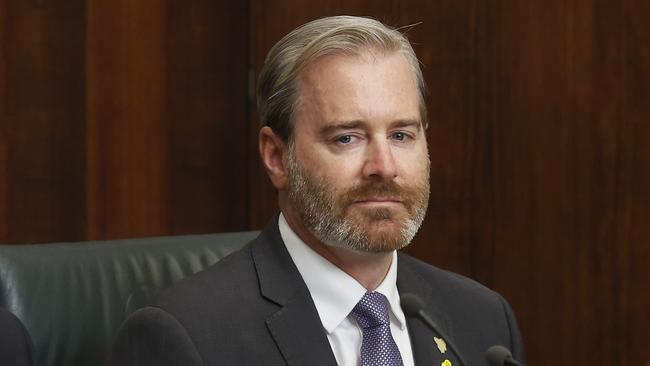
(380, 163)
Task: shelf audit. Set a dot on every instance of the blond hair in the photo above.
(349, 35)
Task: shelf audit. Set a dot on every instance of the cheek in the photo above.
(338, 170)
(338, 176)
(421, 168)
(415, 165)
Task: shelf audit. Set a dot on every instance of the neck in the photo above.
(369, 269)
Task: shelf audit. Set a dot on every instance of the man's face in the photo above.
(358, 164)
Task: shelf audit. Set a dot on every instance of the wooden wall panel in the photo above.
(555, 152)
(122, 119)
(208, 104)
(128, 127)
(3, 125)
(633, 221)
(562, 114)
(42, 120)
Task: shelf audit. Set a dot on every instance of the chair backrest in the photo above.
(72, 297)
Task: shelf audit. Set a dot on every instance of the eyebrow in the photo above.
(407, 123)
(337, 126)
(348, 125)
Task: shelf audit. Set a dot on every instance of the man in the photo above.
(342, 99)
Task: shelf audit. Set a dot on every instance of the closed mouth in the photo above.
(378, 200)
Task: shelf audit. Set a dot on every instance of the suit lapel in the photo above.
(425, 350)
(299, 335)
(295, 327)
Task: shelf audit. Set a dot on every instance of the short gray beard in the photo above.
(315, 204)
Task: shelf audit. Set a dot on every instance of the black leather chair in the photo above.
(72, 297)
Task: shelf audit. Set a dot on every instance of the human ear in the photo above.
(271, 152)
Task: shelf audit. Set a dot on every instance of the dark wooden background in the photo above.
(134, 118)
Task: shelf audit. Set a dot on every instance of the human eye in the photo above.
(401, 136)
(346, 139)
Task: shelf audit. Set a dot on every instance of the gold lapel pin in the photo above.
(442, 346)
(446, 363)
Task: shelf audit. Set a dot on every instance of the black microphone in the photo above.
(500, 356)
(413, 306)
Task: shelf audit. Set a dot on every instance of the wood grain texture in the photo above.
(122, 119)
(633, 219)
(3, 124)
(563, 76)
(42, 120)
(208, 104)
(128, 127)
(167, 101)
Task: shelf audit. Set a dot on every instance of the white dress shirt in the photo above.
(335, 293)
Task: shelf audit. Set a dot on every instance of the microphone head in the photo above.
(497, 355)
(411, 304)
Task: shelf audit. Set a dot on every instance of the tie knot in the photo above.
(371, 310)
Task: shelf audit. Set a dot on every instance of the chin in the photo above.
(378, 218)
(381, 237)
(387, 242)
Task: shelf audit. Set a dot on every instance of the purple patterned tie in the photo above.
(378, 347)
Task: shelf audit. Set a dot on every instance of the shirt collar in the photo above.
(334, 292)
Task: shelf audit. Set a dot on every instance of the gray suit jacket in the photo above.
(253, 308)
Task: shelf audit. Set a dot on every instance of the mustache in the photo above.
(388, 190)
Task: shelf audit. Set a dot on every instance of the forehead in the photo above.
(371, 87)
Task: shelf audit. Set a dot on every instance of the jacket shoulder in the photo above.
(479, 315)
(443, 280)
(225, 282)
